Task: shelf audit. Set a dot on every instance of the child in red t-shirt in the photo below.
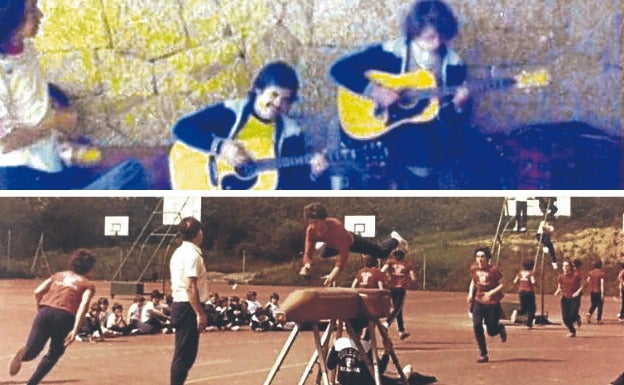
(595, 279)
(400, 273)
(370, 276)
(337, 240)
(569, 287)
(486, 292)
(526, 293)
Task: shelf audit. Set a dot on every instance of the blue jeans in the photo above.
(128, 175)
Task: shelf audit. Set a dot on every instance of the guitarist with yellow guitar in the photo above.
(246, 144)
(374, 101)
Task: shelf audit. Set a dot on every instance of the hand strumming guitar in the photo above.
(234, 153)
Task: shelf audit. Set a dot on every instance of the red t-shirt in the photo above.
(66, 289)
(369, 277)
(569, 283)
(334, 235)
(594, 279)
(485, 280)
(399, 272)
(524, 280)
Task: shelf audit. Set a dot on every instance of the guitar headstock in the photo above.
(533, 79)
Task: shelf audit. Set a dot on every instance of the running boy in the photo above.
(526, 291)
(488, 282)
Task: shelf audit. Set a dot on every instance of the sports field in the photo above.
(441, 344)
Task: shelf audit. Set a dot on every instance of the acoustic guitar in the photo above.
(191, 169)
(419, 100)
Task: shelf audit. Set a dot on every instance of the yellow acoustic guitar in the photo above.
(419, 100)
(191, 169)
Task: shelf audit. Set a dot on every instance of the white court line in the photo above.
(238, 374)
(212, 362)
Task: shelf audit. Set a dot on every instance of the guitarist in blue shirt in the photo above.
(214, 144)
(423, 136)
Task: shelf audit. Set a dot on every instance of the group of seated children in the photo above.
(143, 317)
(154, 316)
(230, 313)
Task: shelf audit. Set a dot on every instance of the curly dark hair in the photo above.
(430, 13)
(82, 261)
(315, 210)
(485, 250)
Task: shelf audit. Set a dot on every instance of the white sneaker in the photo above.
(545, 249)
(408, 370)
(554, 265)
(514, 315)
(399, 238)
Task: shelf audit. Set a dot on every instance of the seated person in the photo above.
(116, 322)
(153, 318)
(210, 307)
(134, 311)
(345, 357)
(260, 321)
(273, 308)
(236, 314)
(91, 329)
(33, 116)
(213, 145)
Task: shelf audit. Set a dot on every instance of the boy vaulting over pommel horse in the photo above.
(354, 309)
(336, 240)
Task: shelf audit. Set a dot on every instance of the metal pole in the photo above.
(424, 286)
(8, 268)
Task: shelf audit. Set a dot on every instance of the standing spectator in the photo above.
(370, 276)
(621, 290)
(486, 286)
(526, 291)
(190, 289)
(400, 273)
(521, 213)
(544, 233)
(595, 279)
(62, 302)
(569, 287)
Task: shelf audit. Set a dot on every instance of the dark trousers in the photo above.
(398, 299)
(569, 312)
(184, 321)
(622, 306)
(365, 246)
(521, 214)
(546, 241)
(49, 324)
(490, 314)
(596, 303)
(527, 305)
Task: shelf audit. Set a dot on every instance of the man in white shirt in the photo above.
(189, 289)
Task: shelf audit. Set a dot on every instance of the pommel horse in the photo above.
(340, 306)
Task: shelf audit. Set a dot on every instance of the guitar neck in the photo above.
(262, 165)
(474, 86)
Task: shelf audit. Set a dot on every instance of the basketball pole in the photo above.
(542, 318)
